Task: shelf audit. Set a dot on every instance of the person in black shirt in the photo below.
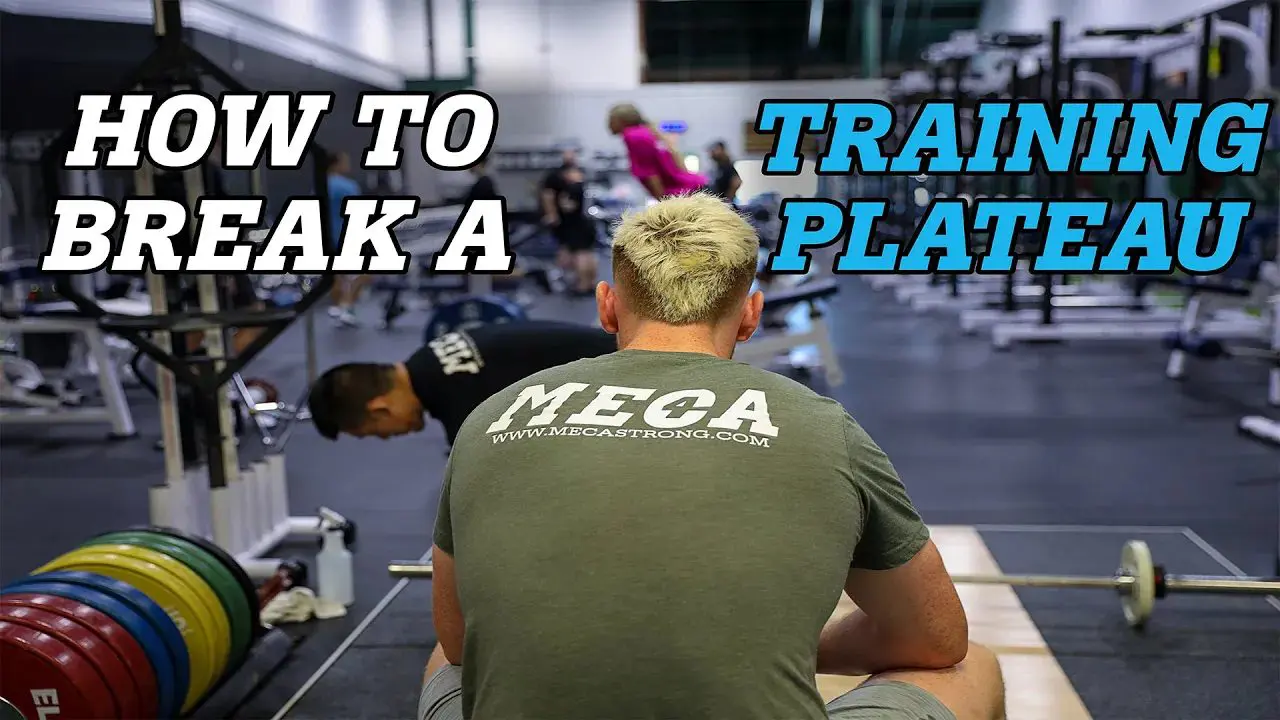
(483, 187)
(564, 211)
(446, 379)
(725, 181)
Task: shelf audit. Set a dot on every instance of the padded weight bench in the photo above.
(767, 345)
(64, 317)
(1202, 296)
(422, 238)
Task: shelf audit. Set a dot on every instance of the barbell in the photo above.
(1138, 580)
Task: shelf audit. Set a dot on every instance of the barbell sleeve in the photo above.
(411, 570)
(1198, 584)
(1212, 584)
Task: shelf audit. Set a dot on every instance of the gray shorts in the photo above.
(441, 699)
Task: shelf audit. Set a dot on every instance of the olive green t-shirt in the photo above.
(660, 535)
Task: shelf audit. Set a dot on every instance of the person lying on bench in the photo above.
(446, 379)
(662, 533)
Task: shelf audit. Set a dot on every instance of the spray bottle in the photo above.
(334, 569)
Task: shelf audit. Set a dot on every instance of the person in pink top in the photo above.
(654, 162)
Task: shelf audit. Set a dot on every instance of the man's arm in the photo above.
(909, 616)
(735, 184)
(655, 187)
(550, 213)
(446, 611)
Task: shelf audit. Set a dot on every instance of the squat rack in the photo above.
(1153, 43)
(202, 506)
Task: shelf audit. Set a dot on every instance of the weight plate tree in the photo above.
(33, 659)
(160, 660)
(233, 602)
(175, 655)
(125, 646)
(104, 660)
(224, 558)
(170, 593)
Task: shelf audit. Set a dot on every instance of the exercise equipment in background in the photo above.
(1193, 341)
(802, 310)
(144, 623)
(445, 296)
(27, 394)
(1266, 431)
(1138, 580)
(208, 496)
(471, 312)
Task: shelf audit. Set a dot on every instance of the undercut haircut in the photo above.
(686, 260)
(339, 399)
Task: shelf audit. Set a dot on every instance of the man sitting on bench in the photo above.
(662, 533)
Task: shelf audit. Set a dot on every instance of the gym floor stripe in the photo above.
(346, 644)
(1084, 529)
(1191, 535)
(1222, 560)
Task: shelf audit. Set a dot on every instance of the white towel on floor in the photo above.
(300, 605)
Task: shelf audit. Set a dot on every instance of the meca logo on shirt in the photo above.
(678, 414)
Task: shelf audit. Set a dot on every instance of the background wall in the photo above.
(555, 66)
(378, 42)
(556, 45)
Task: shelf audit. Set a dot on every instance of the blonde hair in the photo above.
(628, 115)
(689, 259)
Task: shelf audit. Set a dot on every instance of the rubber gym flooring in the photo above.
(1090, 439)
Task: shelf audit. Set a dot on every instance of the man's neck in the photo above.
(404, 384)
(677, 339)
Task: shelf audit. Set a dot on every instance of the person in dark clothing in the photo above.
(446, 379)
(346, 288)
(483, 187)
(564, 210)
(725, 180)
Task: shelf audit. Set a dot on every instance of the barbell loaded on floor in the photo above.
(1213, 349)
(1139, 581)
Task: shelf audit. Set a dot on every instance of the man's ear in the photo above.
(381, 403)
(751, 311)
(607, 307)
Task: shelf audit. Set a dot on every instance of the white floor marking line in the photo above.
(346, 644)
(1082, 529)
(1222, 560)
